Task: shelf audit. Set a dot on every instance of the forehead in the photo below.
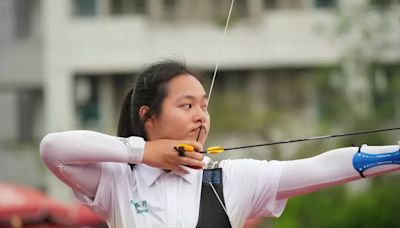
(185, 84)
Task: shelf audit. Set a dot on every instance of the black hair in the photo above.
(149, 90)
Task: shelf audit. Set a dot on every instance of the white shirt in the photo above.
(95, 166)
(151, 197)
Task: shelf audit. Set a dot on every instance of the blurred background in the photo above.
(289, 69)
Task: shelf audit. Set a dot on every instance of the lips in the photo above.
(197, 134)
(203, 129)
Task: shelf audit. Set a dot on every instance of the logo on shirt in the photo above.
(140, 206)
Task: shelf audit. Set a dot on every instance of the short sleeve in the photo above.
(251, 187)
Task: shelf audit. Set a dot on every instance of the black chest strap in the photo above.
(211, 213)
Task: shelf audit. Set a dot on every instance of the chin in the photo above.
(202, 141)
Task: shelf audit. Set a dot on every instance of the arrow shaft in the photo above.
(314, 138)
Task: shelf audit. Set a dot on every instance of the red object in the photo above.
(22, 204)
(253, 222)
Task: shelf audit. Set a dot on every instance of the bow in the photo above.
(220, 149)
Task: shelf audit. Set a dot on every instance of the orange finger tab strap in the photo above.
(186, 147)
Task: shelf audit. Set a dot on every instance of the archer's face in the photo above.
(184, 111)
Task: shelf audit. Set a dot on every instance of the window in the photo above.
(169, 7)
(169, 4)
(241, 8)
(85, 7)
(87, 101)
(24, 12)
(119, 7)
(28, 104)
(325, 3)
(270, 4)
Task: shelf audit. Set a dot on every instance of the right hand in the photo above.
(161, 154)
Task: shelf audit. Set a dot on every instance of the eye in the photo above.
(187, 106)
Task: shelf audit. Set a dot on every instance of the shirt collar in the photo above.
(190, 177)
(151, 174)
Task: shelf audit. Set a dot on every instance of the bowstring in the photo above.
(209, 96)
(218, 61)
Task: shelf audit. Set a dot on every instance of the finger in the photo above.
(191, 162)
(194, 167)
(179, 169)
(197, 146)
(195, 155)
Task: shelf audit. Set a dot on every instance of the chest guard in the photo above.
(211, 213)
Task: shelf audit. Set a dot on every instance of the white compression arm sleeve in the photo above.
(75, 157)
(328, 169)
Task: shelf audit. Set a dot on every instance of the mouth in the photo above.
(200, 128)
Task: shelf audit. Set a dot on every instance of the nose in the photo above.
(200, 115)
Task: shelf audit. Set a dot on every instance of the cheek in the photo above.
(208, 120)
(175, 121)
(175, 116)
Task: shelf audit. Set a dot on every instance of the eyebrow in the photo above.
(190, 97)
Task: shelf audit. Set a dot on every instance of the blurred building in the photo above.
(66, 64)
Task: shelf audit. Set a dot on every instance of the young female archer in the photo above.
(140, 179)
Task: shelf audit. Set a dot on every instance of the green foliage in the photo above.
(383, 4)
(313, 210)
(376, 207)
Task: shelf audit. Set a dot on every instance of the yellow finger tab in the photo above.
(186, 147)
(215, 149)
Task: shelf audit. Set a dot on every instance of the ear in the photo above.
(144, 114)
